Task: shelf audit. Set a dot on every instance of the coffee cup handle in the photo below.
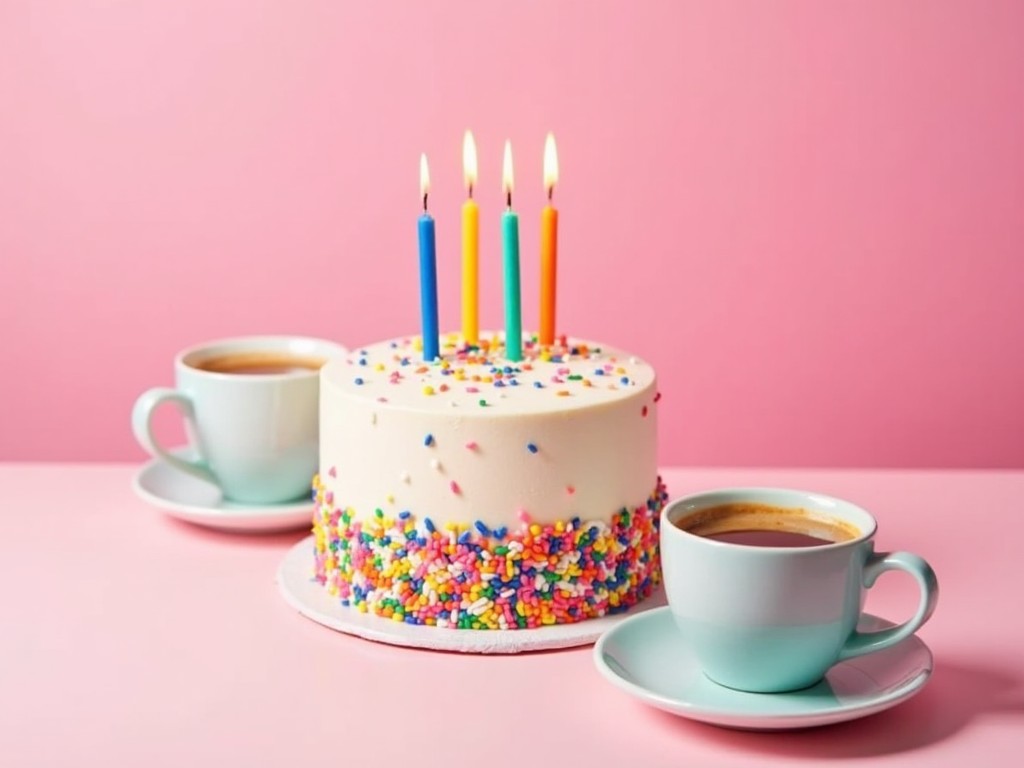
(861, 643)
(142, 426)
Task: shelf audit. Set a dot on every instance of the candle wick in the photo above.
(551, 192)
(470, 191)
(508, 199)
(424, 202)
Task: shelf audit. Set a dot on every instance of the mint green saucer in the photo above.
(645, 656)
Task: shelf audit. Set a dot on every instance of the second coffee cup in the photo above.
(251, 409)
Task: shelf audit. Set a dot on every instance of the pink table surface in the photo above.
(132, 639)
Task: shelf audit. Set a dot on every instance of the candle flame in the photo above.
(506, 170)
(550, 164)
(469, 161)
(424, 178)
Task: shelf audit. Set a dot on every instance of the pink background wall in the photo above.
(809, 216)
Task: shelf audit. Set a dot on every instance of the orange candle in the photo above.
(470, 247)
(548, 246)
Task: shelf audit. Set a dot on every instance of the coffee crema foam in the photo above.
(752, 516)
(259, 362)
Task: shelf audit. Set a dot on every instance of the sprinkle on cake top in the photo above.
(568, 375)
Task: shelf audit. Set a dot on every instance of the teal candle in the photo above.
(513, 306)
(428, 272)
(510, 252)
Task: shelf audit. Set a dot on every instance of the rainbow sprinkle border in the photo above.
(470, 577)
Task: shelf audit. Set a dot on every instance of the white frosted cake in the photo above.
(479, 493)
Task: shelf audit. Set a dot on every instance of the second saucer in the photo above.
(195, 501)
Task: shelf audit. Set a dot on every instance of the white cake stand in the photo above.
(304, 594)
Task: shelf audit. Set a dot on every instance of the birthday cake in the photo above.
(475, 492)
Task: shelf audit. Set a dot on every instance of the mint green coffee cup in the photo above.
(768, 600)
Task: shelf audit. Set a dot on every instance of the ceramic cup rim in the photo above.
(185, 360)
(831, 506)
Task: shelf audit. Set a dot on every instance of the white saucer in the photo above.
(644, 657)
(196, 501)
(308, 597)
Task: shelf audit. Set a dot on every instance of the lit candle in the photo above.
(470, 246)
(510, 251)
(428, 271)
(548, 246)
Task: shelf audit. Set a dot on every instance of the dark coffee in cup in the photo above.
(259, 363)
(754, 524)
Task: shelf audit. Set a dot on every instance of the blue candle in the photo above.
(510, 252)
(428, 272)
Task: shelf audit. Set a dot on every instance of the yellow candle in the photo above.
(470, 247)
(548, 247)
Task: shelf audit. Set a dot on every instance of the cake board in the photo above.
(309, 598)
